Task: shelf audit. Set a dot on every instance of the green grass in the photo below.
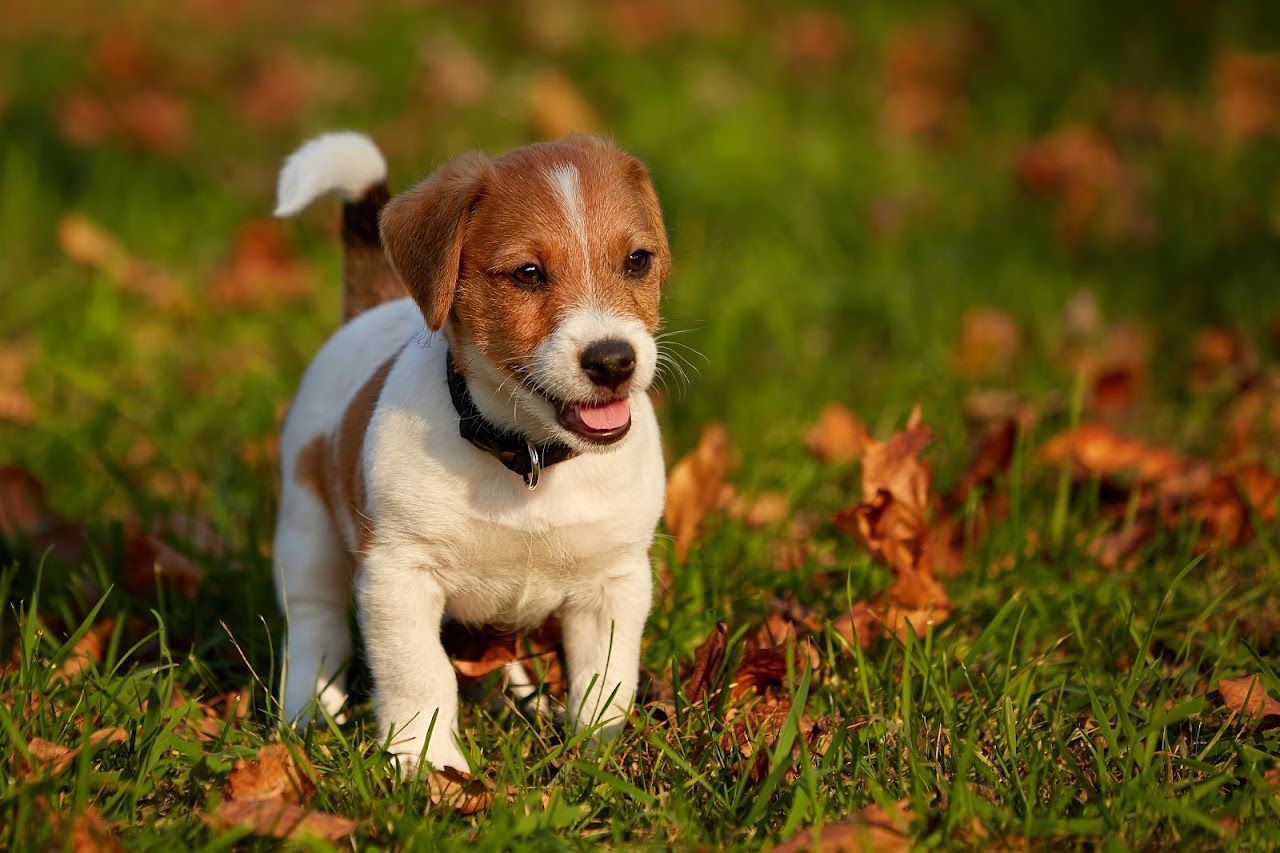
(1060, 704)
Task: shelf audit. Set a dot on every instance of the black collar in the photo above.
(513, 450)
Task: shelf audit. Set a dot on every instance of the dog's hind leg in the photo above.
(313, 584)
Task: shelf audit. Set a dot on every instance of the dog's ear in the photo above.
(423, 229)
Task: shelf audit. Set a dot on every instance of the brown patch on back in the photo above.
(331, 465)
(346, 483)
(310, 469)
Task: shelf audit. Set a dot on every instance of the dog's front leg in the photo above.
(602, 631)
(401, 605)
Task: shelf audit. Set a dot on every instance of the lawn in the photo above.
(1054, 229)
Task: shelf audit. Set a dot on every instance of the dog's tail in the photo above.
(351, 165)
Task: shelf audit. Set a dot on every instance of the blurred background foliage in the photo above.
(843, 182)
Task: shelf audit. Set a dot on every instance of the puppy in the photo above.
(476, 442)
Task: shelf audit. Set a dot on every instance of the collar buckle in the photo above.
(535, 466)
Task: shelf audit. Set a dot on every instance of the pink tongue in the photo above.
(605, 416)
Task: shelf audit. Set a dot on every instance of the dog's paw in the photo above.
(409, 761)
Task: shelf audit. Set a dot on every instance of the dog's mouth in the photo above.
(600, 423)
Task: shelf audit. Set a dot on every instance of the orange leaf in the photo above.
(277, 818)
(274, 774)
(706, 664)
(261, 270)
(874, 829)
(148, 560)
(695, 486)
(558, 108)
(990, 342)
(459, 791)
(838, 436)
(1247, 696)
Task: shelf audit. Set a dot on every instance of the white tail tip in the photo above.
(344, 162)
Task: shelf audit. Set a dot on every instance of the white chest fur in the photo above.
(503, 553)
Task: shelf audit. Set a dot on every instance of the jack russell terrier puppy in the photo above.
(476, 442)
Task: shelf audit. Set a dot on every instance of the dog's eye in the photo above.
(637, 263)
(529, 276)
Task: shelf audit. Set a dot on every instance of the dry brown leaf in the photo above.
(707, 660)
(16, 405)
(90, 245)
(813, 41)
(57, 758)
(891, 523)
(696, 485)
(84, 119)
(278, 818)
(1247, 696)
(1248, 94)
(261, 270)
(838, 436)
(90, 832)
(990, 343)
(451, 788)
(1097, 191)
(453, 75)
(276, 93)
(1222, 359)
(274, 774)
(25, 515)
(874, 829)
(150, 561)
(557, 108)
(477, 651)
(88, 650)
(860, 625)
(764, 509)
(926, 69)
(155, 120)
(1094, 450)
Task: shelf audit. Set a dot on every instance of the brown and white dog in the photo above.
(476, 442)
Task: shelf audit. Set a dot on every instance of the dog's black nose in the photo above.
(609, 363)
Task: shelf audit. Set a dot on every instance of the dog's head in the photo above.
(544, 267)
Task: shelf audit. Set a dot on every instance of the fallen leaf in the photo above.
(90, 245)
(1093, 450)
(707, 661)
(859, 625)
(16, 405)
(1247, 696)
(25, 515)
(261, 270)
(1223, 359)
(891, 522)
(274, 774)
(763, 510)
(813, 41)
(926, 70)
(990, 343)
(56, 758)
(155, 120)
(84, 119)
(150, 561)
(838, 436)
(557, 108)
(278, 818)
(1247, 86)
(88, 650)
(1096, 190)
(696, 485)
(453, 75)
(90, 832)
(874, 829)
(461, 792)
